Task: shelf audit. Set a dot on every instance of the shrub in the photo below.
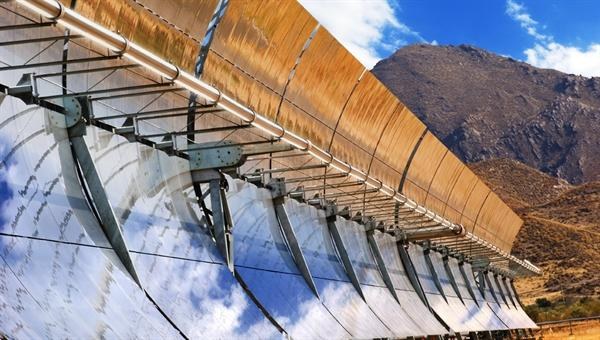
(543, 303)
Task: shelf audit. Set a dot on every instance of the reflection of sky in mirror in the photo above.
(515, 318)
(375, 291)
(264, 262)
(59, 287)
(78, 289)
(485, 314)
(466, 315)
(38, 173)
(199, 294)
(439, 304)
(334, 287)
(404, 290)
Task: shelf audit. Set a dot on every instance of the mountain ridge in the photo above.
(485, 106)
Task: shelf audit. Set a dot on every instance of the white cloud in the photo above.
(363, 27)
(585, 62)
(547, 53)
(518, 12)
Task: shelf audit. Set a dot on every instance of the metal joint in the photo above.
(26, 89)
(277, 188)
(217, 155)
(298, 194)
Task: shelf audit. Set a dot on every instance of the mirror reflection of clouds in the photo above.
(72, 289)
(403, 288)
(263, 260)
(199, 294)
(376, 293)
(334, 287)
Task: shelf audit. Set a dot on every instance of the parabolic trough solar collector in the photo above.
(159, 272)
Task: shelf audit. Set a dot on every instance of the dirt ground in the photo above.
(582, 330)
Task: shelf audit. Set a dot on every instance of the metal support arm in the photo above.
(221, 216)
(387, 278)
(331, 213)
(76, 111)
(278, 192)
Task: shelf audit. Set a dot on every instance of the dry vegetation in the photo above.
(561, 231)
(584, 330)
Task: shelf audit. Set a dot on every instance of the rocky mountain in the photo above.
(485, 106)
(561, 231)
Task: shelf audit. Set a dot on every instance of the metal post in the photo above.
(222, 221)
(461, 267)
(451, 278)
(203, 171)
(500, 290)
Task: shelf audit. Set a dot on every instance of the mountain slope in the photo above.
(486, 106)
(561, 231)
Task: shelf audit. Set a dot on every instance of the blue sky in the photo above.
(563, 35)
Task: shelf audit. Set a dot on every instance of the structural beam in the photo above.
(411, 272)
(463, 273)
(451, 278)
(508, 292)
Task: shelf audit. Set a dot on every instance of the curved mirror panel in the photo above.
(484, 314)
(467, 312)
(510, 289)
(59, 276)
(404, 289)
(147, 191)
(264, 262)
(376, 293)
(437, 301)
(517, 316)
(334, 287)
(487, 298)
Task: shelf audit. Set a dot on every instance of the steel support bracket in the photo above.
(503, 280)
(387, 278)
(298, 194)
(216, 155)
(316, 202)
(73, 120)
(451, 275)
(257, 178)
(331, 210)
(278, 192)
(463, 273)
(500, 290)
(331, 213)
(221, 215)
(277, 188)
(491, 288)
(411, 272)
(26, 89)
(426, 251)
